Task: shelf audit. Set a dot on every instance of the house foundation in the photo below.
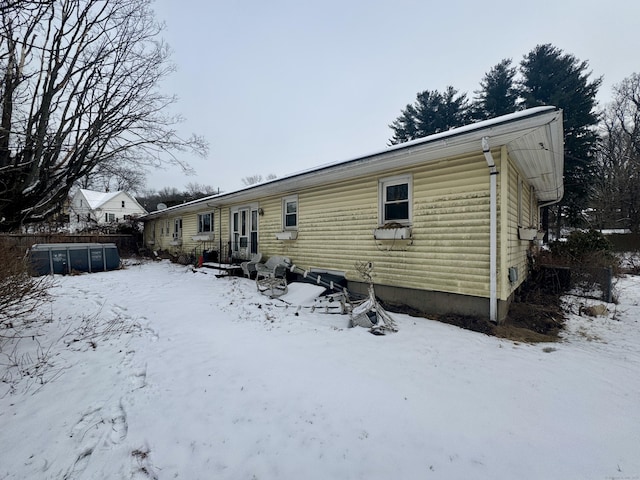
(432, 302)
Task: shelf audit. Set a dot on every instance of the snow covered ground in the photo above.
(155, 371)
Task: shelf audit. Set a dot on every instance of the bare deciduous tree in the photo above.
(198, 190)
(253, 179)
(114, 176)
(79, 87)
(617, 186)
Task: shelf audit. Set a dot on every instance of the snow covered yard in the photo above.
(155, 371)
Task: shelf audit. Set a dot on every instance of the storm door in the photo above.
(253, 243)
(240, 243)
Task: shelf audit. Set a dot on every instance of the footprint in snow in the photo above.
(119, 425)
(139, 379)
(80, 465)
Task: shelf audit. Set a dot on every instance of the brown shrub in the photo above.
(20, 292)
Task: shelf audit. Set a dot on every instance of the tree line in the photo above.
(170, 196)
(602, 159)
(81, 105)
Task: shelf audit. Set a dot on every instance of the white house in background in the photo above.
(90, 208)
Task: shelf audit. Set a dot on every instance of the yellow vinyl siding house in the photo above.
(446, 220)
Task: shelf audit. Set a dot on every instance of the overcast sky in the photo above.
(281, 86)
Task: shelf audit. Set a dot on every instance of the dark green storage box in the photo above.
(63, 258)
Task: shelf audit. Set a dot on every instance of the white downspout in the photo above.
(493, 232)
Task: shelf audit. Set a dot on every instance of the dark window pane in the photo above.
(290, 220)
(398, 192)
(204, 222)
(254, 242)
(396, 211)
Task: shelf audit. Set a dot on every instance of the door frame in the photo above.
(244, 230)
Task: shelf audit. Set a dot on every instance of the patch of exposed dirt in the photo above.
(538, 318)
(476, 324)
(533, 322)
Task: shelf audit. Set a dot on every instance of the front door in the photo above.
(244, 230)
(240, 242)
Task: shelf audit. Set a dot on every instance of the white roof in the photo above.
(96, 199)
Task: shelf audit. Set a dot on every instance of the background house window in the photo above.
(290, 212)
(109, 217)
(395, 200)
(205, 222)
(122, 203)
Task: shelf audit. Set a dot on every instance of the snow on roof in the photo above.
(96, 199)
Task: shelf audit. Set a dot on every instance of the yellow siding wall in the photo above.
(268, 224)
(449, 249)
(516, 255)
(164, 236)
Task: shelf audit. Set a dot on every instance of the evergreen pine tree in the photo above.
(498, 94)
(432, 112)
(551, 77)
(404, 127)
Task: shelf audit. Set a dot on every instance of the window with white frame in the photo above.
(290, 212)
(395, 200)
(205, 222)
(109, 217)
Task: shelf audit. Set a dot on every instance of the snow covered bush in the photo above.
(630, 262)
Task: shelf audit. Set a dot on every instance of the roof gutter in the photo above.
(493, 232)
